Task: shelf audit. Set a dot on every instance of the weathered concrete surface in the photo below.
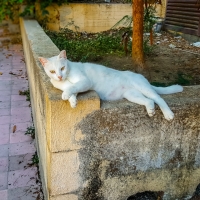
(128, 152)
(89, 17)
(111, 151)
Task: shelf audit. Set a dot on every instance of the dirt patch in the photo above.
(179, 64)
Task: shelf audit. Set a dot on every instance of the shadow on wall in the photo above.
(147, 195)
(150, 195)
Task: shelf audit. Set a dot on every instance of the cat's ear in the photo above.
(43, 61)
(62, 54)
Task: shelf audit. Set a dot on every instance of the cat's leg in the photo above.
(73, 101)
(137, 97)
(168, 114)
(71, 98)
(141, 84)
(150, 93)
(66, 95)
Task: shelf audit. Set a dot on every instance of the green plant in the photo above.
(26, 93)
(8, 8)
(183, 79)
(88, 46)
(30, 131)
(148, 49)
(149, 21)
(149, 18)
(35, 159)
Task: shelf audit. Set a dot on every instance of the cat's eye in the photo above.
(62, 68)
(52, 71)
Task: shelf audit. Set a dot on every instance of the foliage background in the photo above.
(9, 7)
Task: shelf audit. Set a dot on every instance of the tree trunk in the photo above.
(151, 37)
(137, 39)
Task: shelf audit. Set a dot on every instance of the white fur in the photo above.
(110, 84)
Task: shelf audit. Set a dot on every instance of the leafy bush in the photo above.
(82, 46)
(9, 7)
(35, 159)
(149, 18)
(26, 93)
(30, 131)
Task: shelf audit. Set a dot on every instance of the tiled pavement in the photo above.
(18, 179)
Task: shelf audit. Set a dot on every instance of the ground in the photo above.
(19, 175)
(166, 65)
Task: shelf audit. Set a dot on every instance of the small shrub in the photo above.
(26, 93)
(147, 48)
(30, 131)
(35, 159)
(82, 46)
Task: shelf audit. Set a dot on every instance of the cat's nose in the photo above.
(60, 77)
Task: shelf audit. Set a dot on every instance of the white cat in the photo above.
(110, 84)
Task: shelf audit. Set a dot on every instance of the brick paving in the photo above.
(18, 178)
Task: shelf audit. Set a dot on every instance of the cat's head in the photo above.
(56, 67)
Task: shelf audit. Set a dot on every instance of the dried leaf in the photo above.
(1, 73)
(12, 73)
(14, 128)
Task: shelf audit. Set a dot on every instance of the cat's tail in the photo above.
(168, 90)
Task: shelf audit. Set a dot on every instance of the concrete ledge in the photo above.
(54, 119)
(111, 151)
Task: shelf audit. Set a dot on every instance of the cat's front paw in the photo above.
(73, 101)
(65, 95)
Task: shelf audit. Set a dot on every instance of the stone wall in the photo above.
(128, 152)
(54, 119)
(109, 150)
(89, 17)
